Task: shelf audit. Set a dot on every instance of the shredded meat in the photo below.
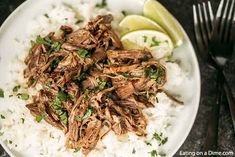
(90, 85)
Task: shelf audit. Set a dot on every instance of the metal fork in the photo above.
(215, 43)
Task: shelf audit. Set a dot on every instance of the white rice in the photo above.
(45, 140)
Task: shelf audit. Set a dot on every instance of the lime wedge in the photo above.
(155, 11)
(159, 44)
(129, 45)
(137, 22)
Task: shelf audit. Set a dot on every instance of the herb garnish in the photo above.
(56, 46)
(22, 120)
(2, 116)
(157, 101)
(16, 88)
(159, 137)
(124, 13)
(102, 86)
(46, 41)
(83, 53)
(23, 96)
(148, 143)
(77, 150)
(145, 38)
(102, 4)
(153, 153)
(40, 117)
(55, 63)
(79, 21)
(46, 15)
(78, 119)
(64, 118)
(133, 151)
(154, 73)
(88, 113)
(57, 106)
(154, 42)
(126, 75)
(1, 93)
(62, 96)
(145, 58)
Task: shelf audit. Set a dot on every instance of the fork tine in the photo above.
(224, 19)
(198, 34)
(218, 15)
(211, 15)
(203, 29)
(207, 22)
(197, 29)
(229, 23)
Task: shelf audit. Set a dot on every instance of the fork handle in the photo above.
(231, 101)
(212, 130)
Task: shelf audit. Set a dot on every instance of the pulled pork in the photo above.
(90, 85)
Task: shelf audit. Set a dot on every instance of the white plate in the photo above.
(14, 28)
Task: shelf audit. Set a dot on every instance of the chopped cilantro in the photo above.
(102, 85)
(164, 140)
(56, 46)
(78, 119)
(23, 96)
(46, 15)
(154, 42)
(88, 113)
(146, 58)
(159, 137)
(124, 13)
(56, 104)
(145, 38)
(1, 93)
(79, 21)
(148, 143)
(2, 117)
(40, 117)
(62, 96)
(102, 4)
(153, 153)
(154, 73)
(77, 150)
(22, 120)
(45, 41)
(16, 88)
(83, 53)
(126, 75)
(55, 63)
(64, 118)
(157, 100)
(86, 97)
(133, 151)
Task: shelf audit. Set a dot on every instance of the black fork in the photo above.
(215, 40)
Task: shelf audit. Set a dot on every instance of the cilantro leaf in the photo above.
(1, 93)
(83, 53)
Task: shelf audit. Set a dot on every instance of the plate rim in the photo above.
(197, 79)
